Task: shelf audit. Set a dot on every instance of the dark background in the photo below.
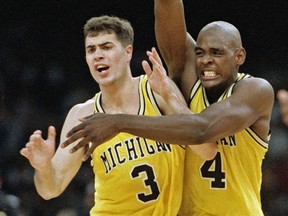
(43, 73)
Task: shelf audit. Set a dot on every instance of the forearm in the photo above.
(174, 100)
(167, 129)
(46, 184)
(175, 129)
(176, 106)
(170, 23)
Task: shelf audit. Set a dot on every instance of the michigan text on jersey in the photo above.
(227, 141)
(131, 149)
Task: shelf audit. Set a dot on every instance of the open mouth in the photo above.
(101, 68)
(209, 73)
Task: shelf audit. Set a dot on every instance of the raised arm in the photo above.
(170, 31)
(167, 94)
(170, 99)
(175, 44)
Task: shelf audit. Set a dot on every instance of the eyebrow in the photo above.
(210, 49)
(105, 43)
(100, 45)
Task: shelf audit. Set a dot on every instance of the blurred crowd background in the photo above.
(43, 73)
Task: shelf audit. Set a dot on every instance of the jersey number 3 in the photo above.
(216, 175)
(149, 181)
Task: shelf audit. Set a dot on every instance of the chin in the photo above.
(209, 84)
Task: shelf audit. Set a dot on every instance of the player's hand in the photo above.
(282, 96)
(157, 75)
(93, 130)
(38, 151)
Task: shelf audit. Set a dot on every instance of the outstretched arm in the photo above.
(245, 108)
(171, 101)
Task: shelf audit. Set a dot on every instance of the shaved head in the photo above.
(228, 33)
(219, 48)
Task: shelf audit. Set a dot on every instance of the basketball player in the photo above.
(282, 96)
(232, 108)
(133, 175)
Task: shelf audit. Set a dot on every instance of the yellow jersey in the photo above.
(228, 185)
(137, 176)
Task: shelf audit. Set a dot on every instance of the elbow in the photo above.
(45, 197)
(211, 152)
(206, 151)
(48, 195)
(201, 132)
(203, 143)
(199, 136)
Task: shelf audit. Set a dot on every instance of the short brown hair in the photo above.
(110, 24)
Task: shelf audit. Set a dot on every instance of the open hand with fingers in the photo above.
(162, 85)
(157, 75)
(39, 151)
(94, 130)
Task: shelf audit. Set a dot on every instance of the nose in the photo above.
(206, 58)
(98, 54)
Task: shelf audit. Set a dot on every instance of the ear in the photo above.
(129, 51)
(240, 56)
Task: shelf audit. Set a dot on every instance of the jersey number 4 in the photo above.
(149, 181)
(215, 174)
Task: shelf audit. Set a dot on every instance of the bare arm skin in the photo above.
(53, 172)
(249, 106)
(171, 99)
(170, 31)
(282, 96)
(175, 44)
(167, 94)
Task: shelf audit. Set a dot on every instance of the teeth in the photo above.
(209, 73)
(100, 67)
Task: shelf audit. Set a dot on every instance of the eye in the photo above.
(106, 47)
(199, 53)
(217, 53)
(90, 51)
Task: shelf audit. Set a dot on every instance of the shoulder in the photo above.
(255, 84)
(257, 95)
(82, 109)
(257, 89)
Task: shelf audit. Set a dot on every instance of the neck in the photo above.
(214, 93)
(121, 99)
